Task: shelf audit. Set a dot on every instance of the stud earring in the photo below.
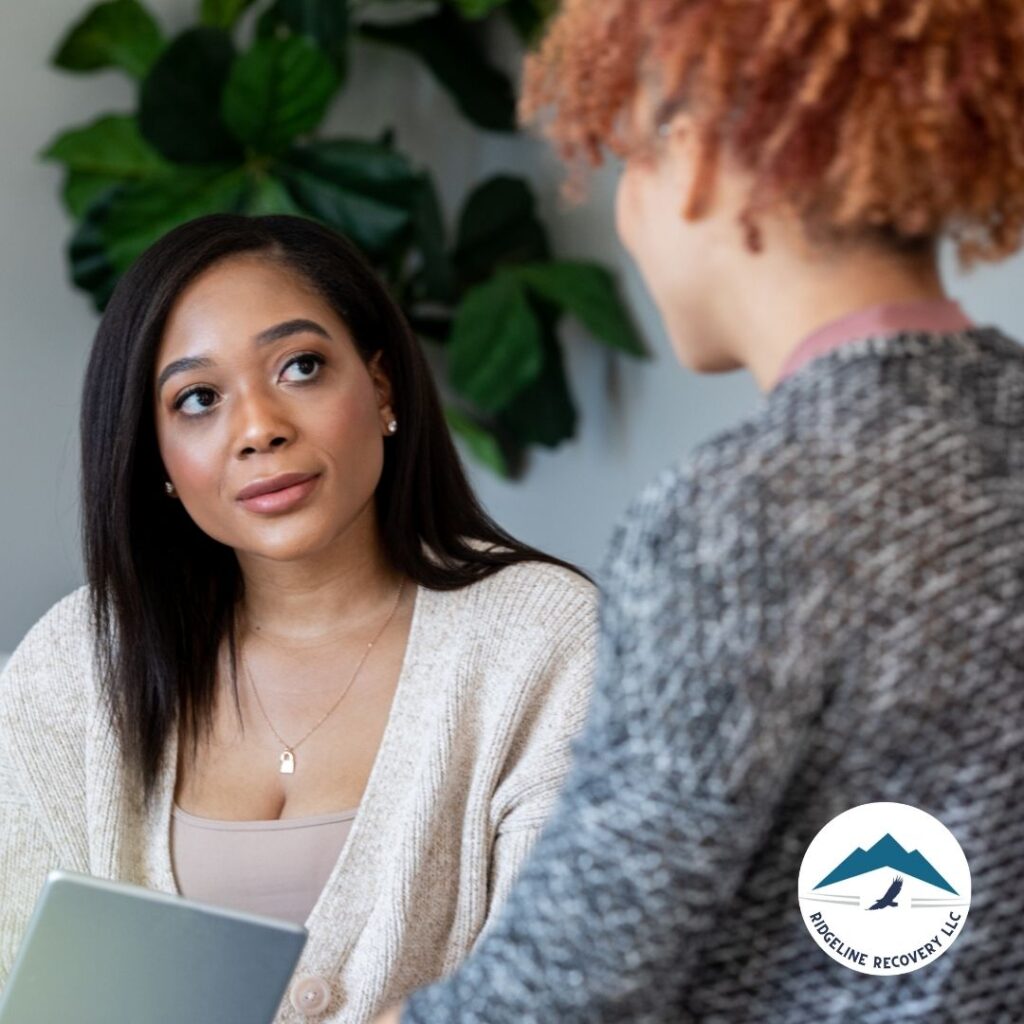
(392, 426)
(169, 488)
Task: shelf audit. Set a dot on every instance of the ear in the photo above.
(691, 163)
(381, 382)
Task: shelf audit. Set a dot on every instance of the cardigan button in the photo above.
(310, 995)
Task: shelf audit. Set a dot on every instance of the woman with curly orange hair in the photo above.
(823, 606)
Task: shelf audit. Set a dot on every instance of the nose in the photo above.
(261, 425)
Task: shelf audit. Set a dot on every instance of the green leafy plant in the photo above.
(222, 126)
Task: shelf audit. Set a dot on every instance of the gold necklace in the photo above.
(287, 757)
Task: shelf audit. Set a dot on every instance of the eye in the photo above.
(204, 397)
(308, 364)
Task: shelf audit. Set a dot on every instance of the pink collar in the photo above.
(939, 316)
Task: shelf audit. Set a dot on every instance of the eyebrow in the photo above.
(265, 337)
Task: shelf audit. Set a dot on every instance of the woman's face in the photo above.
(256, 377)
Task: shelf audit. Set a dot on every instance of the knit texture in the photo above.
(823, 607)
(495, 682)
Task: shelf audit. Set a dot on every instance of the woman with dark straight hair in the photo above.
(309, 676)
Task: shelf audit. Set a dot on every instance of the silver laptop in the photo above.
(99, 952)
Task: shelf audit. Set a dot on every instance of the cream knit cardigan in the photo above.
(494, 685)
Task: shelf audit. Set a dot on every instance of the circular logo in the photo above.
(885, 888)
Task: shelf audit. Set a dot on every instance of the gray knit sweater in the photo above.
(820, 608)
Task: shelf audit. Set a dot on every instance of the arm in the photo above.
(42, 789)
(26, 856)
(689, 744)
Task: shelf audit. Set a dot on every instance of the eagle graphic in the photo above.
(889, 899)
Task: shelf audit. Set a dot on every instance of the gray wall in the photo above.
(635, 417)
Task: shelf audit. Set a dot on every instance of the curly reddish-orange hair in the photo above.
(903, 118)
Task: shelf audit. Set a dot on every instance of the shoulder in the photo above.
(533, 609)
(63, 630)
(533, 587)
(45, 676)
(515, 639)
(47, 701)
(702, 505)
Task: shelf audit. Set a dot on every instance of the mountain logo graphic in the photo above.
(884, 888)
(886, 853)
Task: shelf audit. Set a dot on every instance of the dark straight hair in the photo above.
(164, 595)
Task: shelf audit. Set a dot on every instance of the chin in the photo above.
(702, 358)
(290, 542)
(718, 363)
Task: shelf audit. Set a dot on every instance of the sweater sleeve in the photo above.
(42, 788)
(26, 852)
(26, 856)
(542, 756)
(690, 741)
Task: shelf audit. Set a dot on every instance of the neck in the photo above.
(323, 597)
(788, 293)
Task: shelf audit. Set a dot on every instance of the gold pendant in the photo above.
(287, 763)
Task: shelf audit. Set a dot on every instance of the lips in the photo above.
(273, 483)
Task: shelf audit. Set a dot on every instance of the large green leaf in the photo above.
(143, 213)
(267, 194)
(543, 412)
(110, 145)
(587, 291)
(82, 189)
(222, 13)
(118, 229)
(481, 442)
(101, 155)
(91, 268)
(374, 167)
(436, 276)
(361, 188)
(119, 33)
(323, 22)
(498, 225)
(457, 59)
(495, 349)
(179, 109)
(277, 91)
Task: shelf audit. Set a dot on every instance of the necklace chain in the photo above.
(288, 755)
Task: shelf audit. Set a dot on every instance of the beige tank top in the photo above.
(277, 868)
